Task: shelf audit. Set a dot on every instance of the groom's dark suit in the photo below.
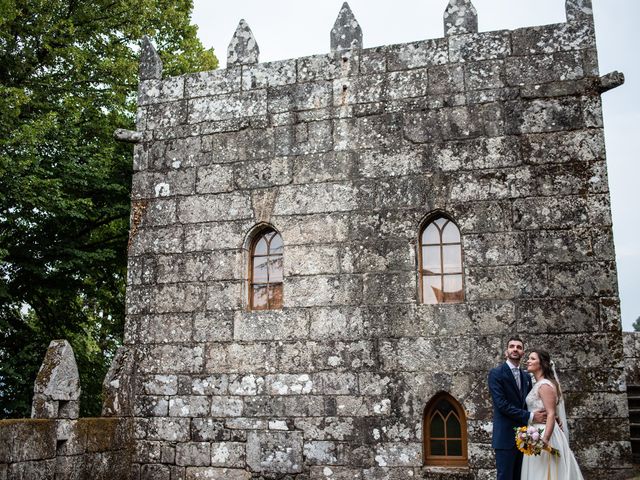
(509, 412)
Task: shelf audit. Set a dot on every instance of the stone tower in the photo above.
(354, 159)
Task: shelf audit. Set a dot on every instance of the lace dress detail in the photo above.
(544, 466)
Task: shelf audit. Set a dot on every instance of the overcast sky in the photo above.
(294, 28)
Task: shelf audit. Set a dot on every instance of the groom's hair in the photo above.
(514, 338)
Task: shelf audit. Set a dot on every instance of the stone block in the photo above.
(224, 295)
(304, 138)
(305, 199)
(216, 178)
(165, 184)
(170, 114)
(389, 288)
(313, 229)
(151, 406)
(31, 470)
(311, 260)
(272, 74)
(323, 290)
(536, 213)
(208, 429)
(371, 132)
(193, 454)
(168, 429)
(280, 452)
(407, 84)
(213, 326)
(506, 282)
(537, 69)
(559, 316)
(214, 236)
(431, 354)
(390, 163)
(336, 323)
(399, 455)
(226, 406)
(586, 279)
(475, 47)
(322, 453)
(167, 359)
(552, 38)
(323, 167)
(189, 406)
(159, 91)
(211, 473)
(160, 384)
(165, 328)
(213, 82)
(246, 385)
(264, 173)
(228, 454)
(484, 75)
(543, 115)
(454, 123)
(330, 383)
(227, 107)
(208, 208)
(418, 54)
(362, 89)
(494, 249)
(476, 154)
(27, 439)
(236, 357)
(156, 240)
(155, 472)
(271, 325)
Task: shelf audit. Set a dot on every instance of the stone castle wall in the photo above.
(346, 154)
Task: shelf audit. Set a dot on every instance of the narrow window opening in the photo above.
(266, 271)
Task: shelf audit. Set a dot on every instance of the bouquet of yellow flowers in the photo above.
(529, 441)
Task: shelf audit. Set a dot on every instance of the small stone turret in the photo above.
(57, 386)
(243, 48)
(346, 32)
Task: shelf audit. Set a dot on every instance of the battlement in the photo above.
(551, 53)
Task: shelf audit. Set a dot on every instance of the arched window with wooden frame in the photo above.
(445, 432)
(266, 271)
(441, 272)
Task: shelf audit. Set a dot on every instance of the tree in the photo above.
(68, 77)
(636, 325)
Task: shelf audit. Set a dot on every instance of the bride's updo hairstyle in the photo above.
(547, 368)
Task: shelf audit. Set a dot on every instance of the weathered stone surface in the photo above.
(150, 63)
(346, 32)
(460, 17)
(349, 155)
(275, 451)
(243, 49)
(117, 387)
(56, 391)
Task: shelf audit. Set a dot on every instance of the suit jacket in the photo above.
(509, 404)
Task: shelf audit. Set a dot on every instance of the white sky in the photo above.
(294, 28)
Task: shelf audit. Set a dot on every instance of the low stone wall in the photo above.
(57, 449)
(632, 357)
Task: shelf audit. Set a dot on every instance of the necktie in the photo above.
(516, 375)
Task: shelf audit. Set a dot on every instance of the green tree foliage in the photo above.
(68, 77)
(636, 325)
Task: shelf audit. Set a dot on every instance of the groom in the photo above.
(509, 386)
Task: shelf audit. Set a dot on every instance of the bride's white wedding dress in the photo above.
(546, 466)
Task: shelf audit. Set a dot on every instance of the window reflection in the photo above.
(266, 289)
(441, 262)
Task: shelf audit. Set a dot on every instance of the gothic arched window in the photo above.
(441, 277)
(265, 279)
(445, 432)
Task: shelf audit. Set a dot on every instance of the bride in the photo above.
(546, 394)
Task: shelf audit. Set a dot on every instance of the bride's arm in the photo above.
(549, 398)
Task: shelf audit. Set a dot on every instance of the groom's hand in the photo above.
(540, 416)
